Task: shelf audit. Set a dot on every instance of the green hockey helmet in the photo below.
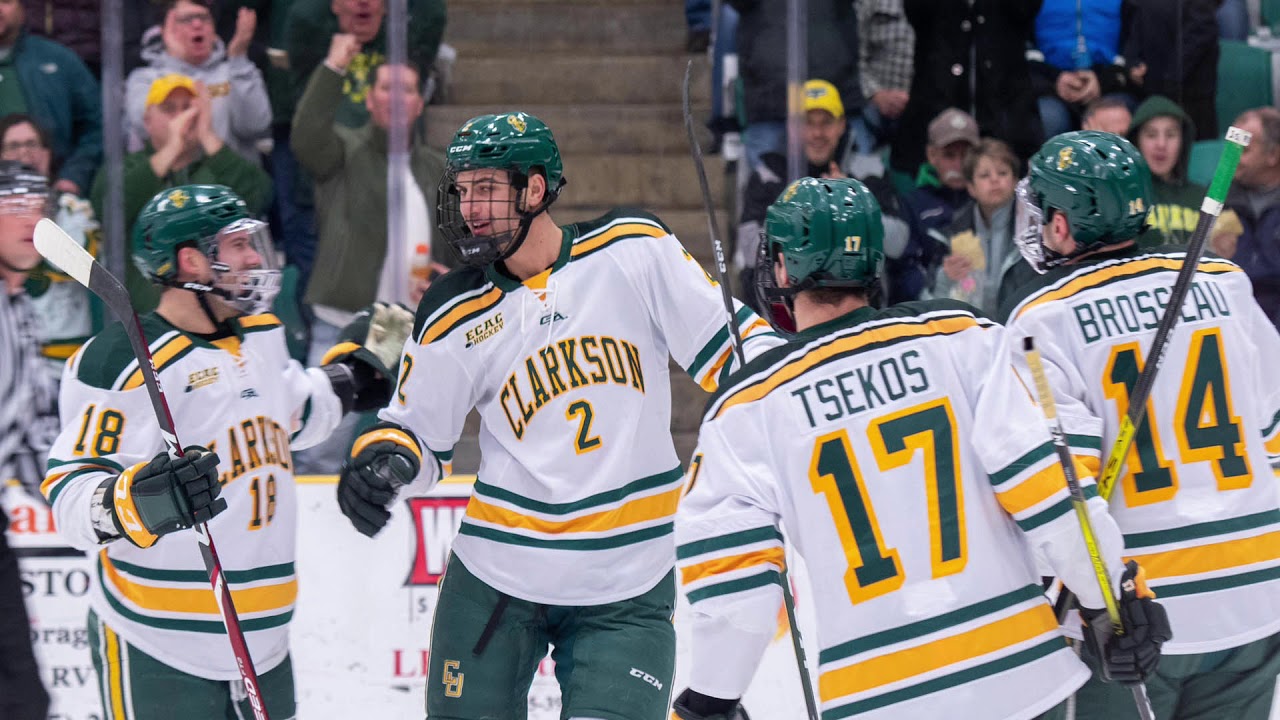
(1098, 180)
(517, 143)
(830, 234)
(215, 221)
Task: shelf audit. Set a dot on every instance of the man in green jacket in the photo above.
(181, 149)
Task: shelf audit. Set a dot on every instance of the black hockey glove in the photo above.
(1132, 657)
(364, 364)
(165, 495)
(382, 459)
(696, 706)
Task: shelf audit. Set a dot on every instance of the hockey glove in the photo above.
(1132, 657)
(363, 366)
(696, 706)
(165, 495)
(382, 460)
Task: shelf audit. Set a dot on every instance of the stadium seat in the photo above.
(1244, 81)
(1204, 158)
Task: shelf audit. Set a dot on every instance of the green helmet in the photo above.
(515, 142)
(830, 234)
(186, 214)
(1098, 180)
(203, 217)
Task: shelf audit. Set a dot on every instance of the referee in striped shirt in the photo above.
(28, 424)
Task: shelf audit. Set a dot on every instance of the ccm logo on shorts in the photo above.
(637, 673)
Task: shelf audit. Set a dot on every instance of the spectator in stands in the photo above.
(1107, 114)
(828, 149)
(1077, 58)
(77, 24)
(762, 63)
(886, 49)
(981, 248)
(181, 148)
(47, 81)
(970, 54)
(1255, 197)
(697, 16)
(1172, 50)
(1163, 133)
(941, 190)
(189, 46)
(310, 20)
(65, 312)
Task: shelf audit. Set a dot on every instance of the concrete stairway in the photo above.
(605, 75)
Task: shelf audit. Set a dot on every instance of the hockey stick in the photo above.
(735, 339)
(58, 248)
(1082, 511)
(1210, 208)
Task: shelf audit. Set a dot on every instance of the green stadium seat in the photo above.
(1244, 81)
(1204, 158)
(1270, 13)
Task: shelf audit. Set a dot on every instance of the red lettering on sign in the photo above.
(435, 522)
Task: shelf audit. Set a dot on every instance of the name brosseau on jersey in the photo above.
(1126, 314)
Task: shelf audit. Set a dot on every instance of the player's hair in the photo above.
(836, 295)
(1106, 102)
(997, 150)
(1269, 119)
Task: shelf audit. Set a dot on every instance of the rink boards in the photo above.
(363, 615)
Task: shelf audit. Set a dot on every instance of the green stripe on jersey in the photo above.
(210, 627)
(711, 350)
(604, 498)
(107, 462)
(751, 582)
(1201, 530)
(1057, 510)
(235, 577)
(583, 229)
(1018, 659)
(1028, 459)
(445, 291)
(1275, 421)
(931, 625)
(724, 542)
(596, 543)
(1196, 587)
(65, 482)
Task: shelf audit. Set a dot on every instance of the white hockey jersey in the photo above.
(916, 478)
(1197, 501)
(569, 371)
(240, 396)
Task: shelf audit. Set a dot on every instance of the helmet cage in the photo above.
(483, 250)
(250, 290)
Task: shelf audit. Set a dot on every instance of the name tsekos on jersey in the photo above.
(569, 371)
(240, 396)
(1197, 500)
(903, 478)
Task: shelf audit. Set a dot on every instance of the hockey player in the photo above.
(915, 478)
(1197, 501)
(157, 639)
(560, 338)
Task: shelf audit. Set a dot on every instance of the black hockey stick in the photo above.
(58, 248)
(735, 339)
(1210, 208)
(1078, 503)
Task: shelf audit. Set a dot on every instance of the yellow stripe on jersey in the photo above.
(1114, 272)
(264, 598)
(653, 507)
(1211, 557)
(257, 321)
(59, 350)
(585, 246)
(160, 359)
(449, 320)
(710, 381)
(115, 678)
(792, 370)
(52, 480)
(914, 661)
(386, 434)
(768, 556)
(1043, 485)
(341, 348)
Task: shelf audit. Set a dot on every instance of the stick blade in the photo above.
(59, 248)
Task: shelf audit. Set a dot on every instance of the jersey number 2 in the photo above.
(585, 442)
(833, 471)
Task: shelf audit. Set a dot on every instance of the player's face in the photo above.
(188, 32)
(18, 217)
(238, 252)
(1160, 142)
(822, 132)
(488, 201)
(949, 162)
(23, 144)
(992, 184)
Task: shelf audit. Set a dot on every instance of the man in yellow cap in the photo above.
(181, 148)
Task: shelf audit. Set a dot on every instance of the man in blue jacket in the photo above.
(1255, 196)
(46, 80)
